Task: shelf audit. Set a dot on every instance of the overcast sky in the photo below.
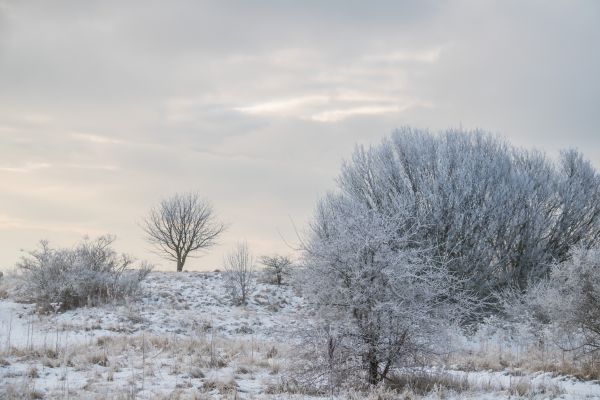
(108, 107)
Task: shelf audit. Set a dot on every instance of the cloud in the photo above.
(10, 223)
(32, 166)
(290, 106)
(424, 56)
(95, 138)
(27, 167)
(333, 108)
(93, 167)
(338, 115)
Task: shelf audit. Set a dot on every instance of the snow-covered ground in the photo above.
(183, 338)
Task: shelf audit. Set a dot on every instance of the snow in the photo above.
(567, 388)
(184, 337)
(15, 323)
(194, 302)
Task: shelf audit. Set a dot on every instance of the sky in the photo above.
(108, 107)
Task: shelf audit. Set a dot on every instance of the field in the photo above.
(183, 339)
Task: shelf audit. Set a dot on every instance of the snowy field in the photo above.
(183, 339)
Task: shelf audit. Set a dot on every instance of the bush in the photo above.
(276, 267)
(564, 307)
(572, 299)
(91, 273)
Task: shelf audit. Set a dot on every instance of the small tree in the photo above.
(181, 225)
(239, 272)
(387, 299)
(276, 266)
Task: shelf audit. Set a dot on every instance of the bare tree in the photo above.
(239, 272)
(277, 266)
(181, 225)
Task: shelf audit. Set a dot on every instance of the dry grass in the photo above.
(23, 390)
(180, 394)
(110, 363)
(124, 364)
(244, 369)
(224, 385)
(586, 369)
(425, 382)
(32, 372)
(531, 360)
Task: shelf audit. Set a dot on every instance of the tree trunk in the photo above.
(373, 366)
(179, 265)
(373, 370)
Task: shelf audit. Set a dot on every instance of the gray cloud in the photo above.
(106, 107)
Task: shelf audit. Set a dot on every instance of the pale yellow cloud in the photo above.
(333, 108)
(424, 56)
(12, 223)
(338, 115)
(95, 138)
(287, 106)
(93, 167)
(35, 166)
(27, 167)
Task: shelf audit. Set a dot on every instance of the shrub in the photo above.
(88, 274)
(572, 299)
(564, 307)
(276, 267)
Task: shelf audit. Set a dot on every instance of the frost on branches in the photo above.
(239, 273)
(424, 227)
(90, 273)
(569, 301)
(497, 215)
(381, 297)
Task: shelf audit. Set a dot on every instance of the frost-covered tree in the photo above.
(383, 295)
(181, 226)
(239, 272)
(496, 214)
(425, 223)
(277, 267)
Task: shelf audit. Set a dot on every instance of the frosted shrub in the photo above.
(573, 298)
(88, 274)
(565, 307)
(276, 268)
(527, 312)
